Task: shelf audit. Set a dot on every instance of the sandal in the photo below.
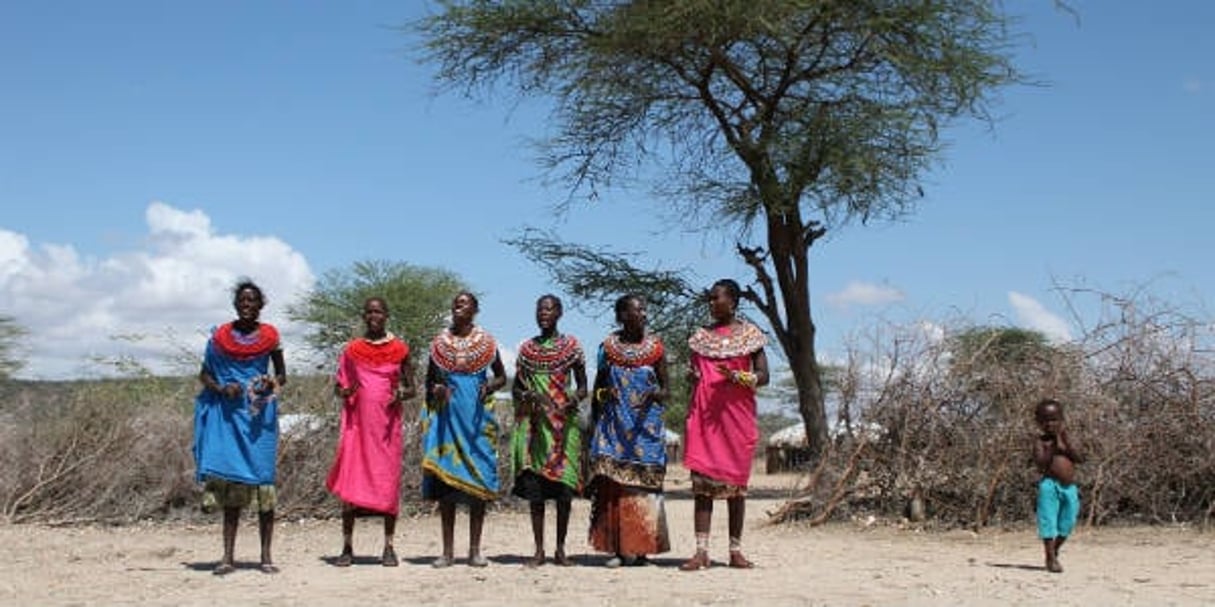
(390, 557)
(699, 561)
(345, 559)
(535, 561)
(738, 561)
(561, 559)
(441, 562)
(268, 568)
(477, 561)
(223, 569)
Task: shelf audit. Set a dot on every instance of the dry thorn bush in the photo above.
(945, 423)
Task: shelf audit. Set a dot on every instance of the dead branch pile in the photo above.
(946, 421)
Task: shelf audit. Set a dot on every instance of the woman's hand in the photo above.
(231, 390)
(693, 376)
(439, 394)
(348, 391)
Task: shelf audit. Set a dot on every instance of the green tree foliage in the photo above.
(773, 120)
(996, 366)
(10, 337)
(419, 300)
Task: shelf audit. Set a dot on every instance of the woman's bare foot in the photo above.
(536, 560)
(346, 558)
(389, 559)
(223, 569)
(561, 559)
(1053, 566)
(699, 561)
(738, 561)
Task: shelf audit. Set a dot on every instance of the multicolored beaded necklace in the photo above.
(627, 354)
(243, 346)
(728, 341)
(467, 354)
(549, 356)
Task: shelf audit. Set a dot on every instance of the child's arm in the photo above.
(1067, 447)
(1044, 451)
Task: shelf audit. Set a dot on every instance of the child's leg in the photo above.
(1048, 522)
(1069, 513)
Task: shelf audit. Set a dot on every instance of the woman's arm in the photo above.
(406, 387)
(280, 366)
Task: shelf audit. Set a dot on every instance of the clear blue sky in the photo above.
(150, 152)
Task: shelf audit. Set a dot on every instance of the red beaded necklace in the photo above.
(243, 346)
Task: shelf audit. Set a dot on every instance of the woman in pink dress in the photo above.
(727, 365)
(374, 378)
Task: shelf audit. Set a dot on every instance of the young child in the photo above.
(1056, 457)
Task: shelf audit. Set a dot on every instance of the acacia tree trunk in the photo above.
(787, 239)
(788, 246)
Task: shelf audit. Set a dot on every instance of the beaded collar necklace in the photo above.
(737, 339)
(463, 354)
(555, 354)
(626, 354)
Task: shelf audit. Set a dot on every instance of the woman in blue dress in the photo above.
(236, 421)
(628, 450)
(460, 457)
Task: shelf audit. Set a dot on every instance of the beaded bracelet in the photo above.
(745, 378)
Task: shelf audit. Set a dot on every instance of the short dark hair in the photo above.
(1045, 404)
(246, 283)
(470, 295)
(623, 301)
(553, 298)
(731, 287)
(376, 298)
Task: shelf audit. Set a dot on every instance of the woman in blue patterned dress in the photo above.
(460, 433)
(628, 451)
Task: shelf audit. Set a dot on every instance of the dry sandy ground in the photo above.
(844, 564)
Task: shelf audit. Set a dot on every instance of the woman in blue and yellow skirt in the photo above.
(628, 451)
(460, 433)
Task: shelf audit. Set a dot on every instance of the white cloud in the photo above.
(163, 297)
(1035, 316)
(1193, 85)
(864, 294)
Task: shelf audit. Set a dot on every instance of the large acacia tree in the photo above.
(775, 120)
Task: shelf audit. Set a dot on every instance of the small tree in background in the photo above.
(419, 300)
(10, 337)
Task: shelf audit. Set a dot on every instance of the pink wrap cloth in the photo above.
(722, 432)
(366, 471)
